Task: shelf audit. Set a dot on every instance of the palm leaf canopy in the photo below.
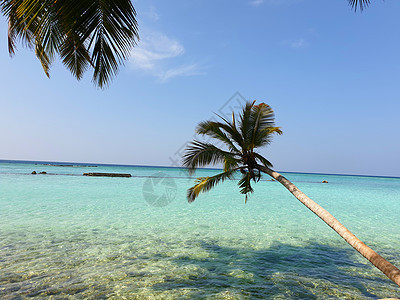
(253, 129)
(97, 34)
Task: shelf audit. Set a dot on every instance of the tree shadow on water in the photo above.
(314, 271)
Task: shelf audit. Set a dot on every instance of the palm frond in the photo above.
(231, 162)
(264, 137)
(276, 130)
(359, 3)
(112, 28)
(245, 185)
(204, 184)
(261, 119)
(263, 160)
(245, 124)
(44, 59)
(200, 154)
(17, 28)
(42, 20)
(11, 37)
(75, 55)
(262, 115)
(9, 8)
(213, 129)
(47, 30)
(231, 130)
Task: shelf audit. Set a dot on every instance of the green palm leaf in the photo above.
(264, 136)
(231, 162)
(263, 160)
(245, 125)
(36, 22)
(231, 130)
(245, 185)
(75, 55)
(200, 154)
(44, 59)
(215, 130)
(204, 184)
(261, 118)
(17, 30)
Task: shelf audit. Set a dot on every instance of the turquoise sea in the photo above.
(68, 236)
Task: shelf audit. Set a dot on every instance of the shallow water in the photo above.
(70, 236)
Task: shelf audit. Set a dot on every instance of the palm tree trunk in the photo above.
(378, 261)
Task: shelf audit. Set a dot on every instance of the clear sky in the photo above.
(331, 75)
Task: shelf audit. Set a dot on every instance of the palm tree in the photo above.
(96, 34)
(254, 129)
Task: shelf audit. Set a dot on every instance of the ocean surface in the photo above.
(68, 236)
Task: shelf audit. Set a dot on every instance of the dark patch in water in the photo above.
(279, 270)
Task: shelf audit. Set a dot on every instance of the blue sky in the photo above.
(331, 75)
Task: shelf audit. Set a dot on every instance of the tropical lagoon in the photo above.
(68, 236)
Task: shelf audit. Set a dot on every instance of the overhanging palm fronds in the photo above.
(85, 33)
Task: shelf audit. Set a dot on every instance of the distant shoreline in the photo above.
(79, 164)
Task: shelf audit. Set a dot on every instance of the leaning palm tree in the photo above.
(255, 128)
(97, 34)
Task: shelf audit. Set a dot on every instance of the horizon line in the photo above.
(173, 167)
